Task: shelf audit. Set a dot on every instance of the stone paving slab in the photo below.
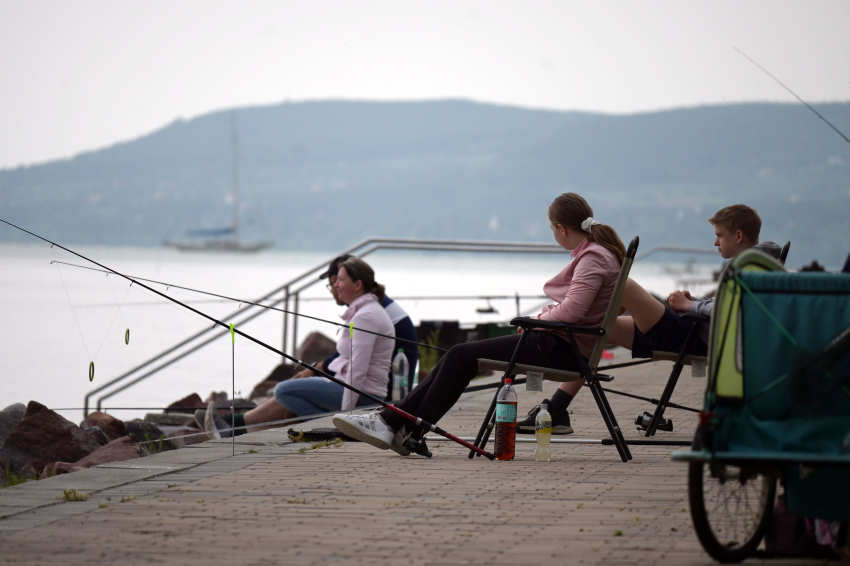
(279, 502)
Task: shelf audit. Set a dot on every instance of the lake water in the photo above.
(57, 318)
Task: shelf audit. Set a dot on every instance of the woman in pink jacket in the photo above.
(581, 292)
(363, 363)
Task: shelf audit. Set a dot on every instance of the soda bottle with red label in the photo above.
(506, 403)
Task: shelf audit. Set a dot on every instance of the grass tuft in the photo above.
(335, 443)
(127, 498)
(73, 495)
(15, 479)
(297, 437)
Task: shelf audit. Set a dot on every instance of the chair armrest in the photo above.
(527, 323)
(694, 317)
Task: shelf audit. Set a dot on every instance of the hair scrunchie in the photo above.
(589, 223)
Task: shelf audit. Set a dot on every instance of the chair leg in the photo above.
(655, 420)
(486, 426)
(602, 402)
(609, 418)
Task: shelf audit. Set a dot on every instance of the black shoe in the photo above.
(560, 422)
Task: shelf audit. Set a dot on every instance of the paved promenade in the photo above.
(278, 502)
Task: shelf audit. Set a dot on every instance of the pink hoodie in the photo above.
(371, 363)
(583, 290)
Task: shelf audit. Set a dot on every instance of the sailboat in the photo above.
(221, 239)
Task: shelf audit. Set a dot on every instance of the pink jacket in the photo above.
(582, 290)
(371, 354)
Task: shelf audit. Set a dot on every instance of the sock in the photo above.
(559, 402)
(234, 421)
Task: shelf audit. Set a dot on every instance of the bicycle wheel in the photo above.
(730, 508)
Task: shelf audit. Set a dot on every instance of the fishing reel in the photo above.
(642, 422)
(417, 445)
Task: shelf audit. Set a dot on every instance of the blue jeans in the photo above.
(313, 395)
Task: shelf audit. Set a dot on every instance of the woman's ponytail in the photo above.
(571, 210)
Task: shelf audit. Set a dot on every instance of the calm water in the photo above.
(56, 319)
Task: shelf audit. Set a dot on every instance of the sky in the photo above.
(83, 75)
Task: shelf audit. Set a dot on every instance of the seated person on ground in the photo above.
(404, 328)
(582, 291)
(653, 326)
(365, 363)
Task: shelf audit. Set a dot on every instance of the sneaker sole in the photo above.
(560, 429)
(349, 429)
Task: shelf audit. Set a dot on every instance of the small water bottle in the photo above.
(401, 369)
(543, 433)
(506, 402)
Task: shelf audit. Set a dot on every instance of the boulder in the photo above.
(282, 373)
(168, 419)
(116, 451)
(140, 431)
(187, 405)
(59, 468)
(316, 347)
(112, 427)
(263, 389)
(44, 435)
(98, 435)
(9, 419)
(175, 435)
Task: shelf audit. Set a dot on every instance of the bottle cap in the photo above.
(400, 350)
(508, 381)
(544, 407)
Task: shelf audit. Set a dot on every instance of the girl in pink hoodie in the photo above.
(581, 293)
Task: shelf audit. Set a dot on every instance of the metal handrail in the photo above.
(290, 293)
(376, 243)
(679, 249)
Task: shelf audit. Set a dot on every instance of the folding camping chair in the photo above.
(680, 360)
(587, 370)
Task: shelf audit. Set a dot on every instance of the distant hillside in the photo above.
(322, 175)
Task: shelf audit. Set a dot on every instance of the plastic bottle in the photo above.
(543, 433)
(506, 422)
(401, 369)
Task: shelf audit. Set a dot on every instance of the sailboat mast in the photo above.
(235, 141)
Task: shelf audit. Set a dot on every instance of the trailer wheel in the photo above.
(730, 507)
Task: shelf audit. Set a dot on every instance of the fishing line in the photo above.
(252, 303)
(806, 104)
(74, 314)
(124, 320)
(126, 334)
(418, 422)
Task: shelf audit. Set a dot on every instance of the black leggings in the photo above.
(438, 392)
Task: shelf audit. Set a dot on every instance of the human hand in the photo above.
(680, 301)
(519, 330)
(303, 373)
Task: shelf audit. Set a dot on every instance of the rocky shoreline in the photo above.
(37, 443)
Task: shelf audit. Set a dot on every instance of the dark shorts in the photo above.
(668, 335)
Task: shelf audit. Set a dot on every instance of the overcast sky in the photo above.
(82, 75)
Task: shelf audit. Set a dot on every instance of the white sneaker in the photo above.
(209, 421)
(373, 430)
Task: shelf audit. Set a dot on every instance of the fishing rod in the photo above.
(252, 303)
(806, 104)
(392, 408)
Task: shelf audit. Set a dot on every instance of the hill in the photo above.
(322, 175)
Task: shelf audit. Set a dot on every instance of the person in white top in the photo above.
(363, 363)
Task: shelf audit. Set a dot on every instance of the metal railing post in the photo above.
(285, 316)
